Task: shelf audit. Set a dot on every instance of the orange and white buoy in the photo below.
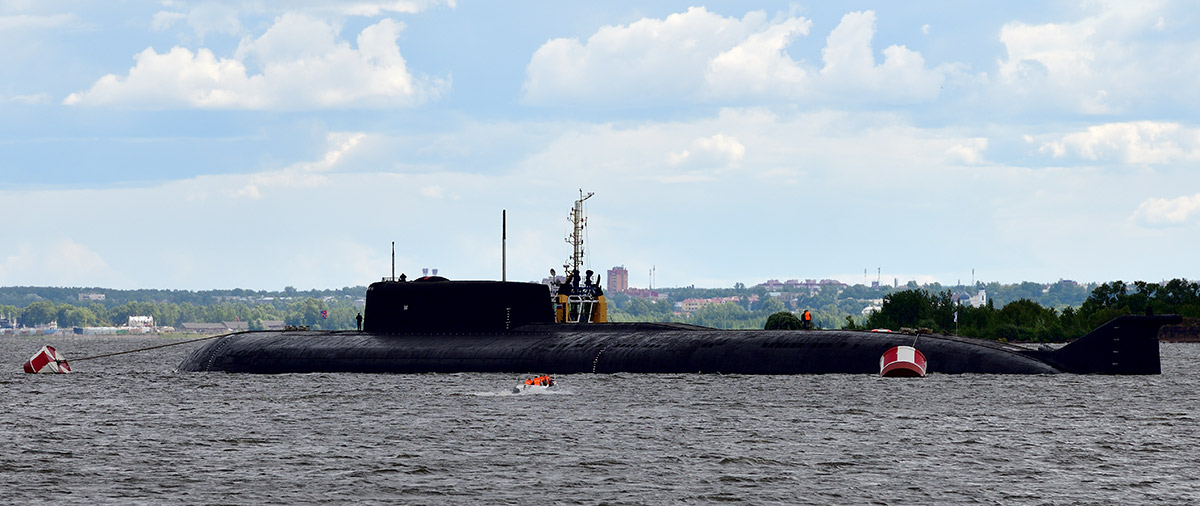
(47, 361)
(902, 361)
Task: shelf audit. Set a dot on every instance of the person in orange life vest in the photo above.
(529, 381)
(807, 318)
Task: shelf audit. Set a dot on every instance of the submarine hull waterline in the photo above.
(1126, 345)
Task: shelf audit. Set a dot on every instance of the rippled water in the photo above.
(129, 429)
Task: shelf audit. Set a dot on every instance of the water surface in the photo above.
(131, 430)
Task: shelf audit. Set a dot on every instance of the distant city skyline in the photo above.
(229, 144)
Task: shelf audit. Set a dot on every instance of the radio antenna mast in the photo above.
(578, 223)
(504, 245)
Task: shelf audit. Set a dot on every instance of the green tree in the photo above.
(71, 316)
(771, 305)
(306, 312)
(902, 309)
(783, 320)
(39, 313)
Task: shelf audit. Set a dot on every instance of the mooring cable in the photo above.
(153, 347)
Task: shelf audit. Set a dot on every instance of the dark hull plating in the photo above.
(1126, 345)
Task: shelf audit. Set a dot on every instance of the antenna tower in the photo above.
(578, 222)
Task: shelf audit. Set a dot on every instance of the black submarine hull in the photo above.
(1125, 345)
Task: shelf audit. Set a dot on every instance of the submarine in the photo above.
(439, 326)
(435, 325)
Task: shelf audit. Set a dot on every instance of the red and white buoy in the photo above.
(902, 361)
(47, 361)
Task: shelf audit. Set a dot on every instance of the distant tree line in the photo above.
(290, 306)
(831, 306)
(1026, 320)
(1027, 311)
(22, 296)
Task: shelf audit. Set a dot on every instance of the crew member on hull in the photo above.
(807, 319)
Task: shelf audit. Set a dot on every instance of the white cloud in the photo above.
(850, 67)
(1164, 212)
(1139, 142)
(645, 61)
(709, 154)
(372, 9)
(302, 174)
(1115, 60)
(699, 56)
(759, 65)
(34, 99)
(303, 66)
(968, 153)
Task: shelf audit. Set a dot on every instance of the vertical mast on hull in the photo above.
(579, 299)
(578, 222)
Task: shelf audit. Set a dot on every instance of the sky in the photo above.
(262, 144)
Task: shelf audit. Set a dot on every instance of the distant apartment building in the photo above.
(88, 297)
(618, 279)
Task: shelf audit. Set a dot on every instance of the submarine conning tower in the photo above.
(434, 304)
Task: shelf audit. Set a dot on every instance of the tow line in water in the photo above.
(49, 361)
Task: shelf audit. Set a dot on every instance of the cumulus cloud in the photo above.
(1139, 142)
(1168, 212)
(850, 65)
(648, 60)
(759, 65)
(303, 65)
(699, 56)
